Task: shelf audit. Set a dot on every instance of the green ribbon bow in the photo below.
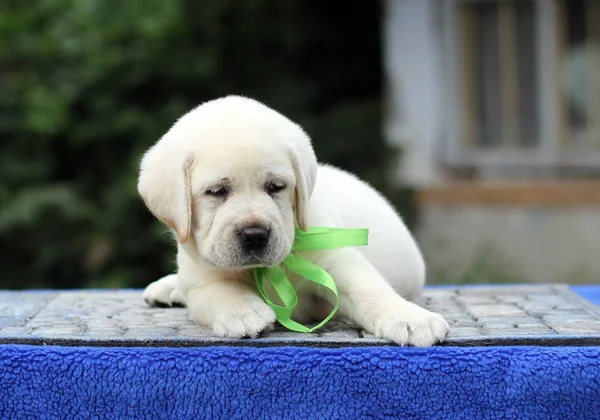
(313, 239)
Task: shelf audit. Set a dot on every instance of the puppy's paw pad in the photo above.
(415, 326)
(164, 293)
(245, 319)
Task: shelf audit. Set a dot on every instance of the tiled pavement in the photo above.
(482, 315)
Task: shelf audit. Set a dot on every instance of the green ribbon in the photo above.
(314, 238)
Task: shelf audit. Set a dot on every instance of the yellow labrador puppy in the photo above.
(233, 179)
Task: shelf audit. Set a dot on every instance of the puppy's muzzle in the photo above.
(254, 238)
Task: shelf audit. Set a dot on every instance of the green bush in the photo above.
(87, 86)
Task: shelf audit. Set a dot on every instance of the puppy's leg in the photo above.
(232, 309)
(367, 299)
(164, 293)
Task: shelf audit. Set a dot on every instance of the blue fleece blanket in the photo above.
(53, 382)
(293, 383)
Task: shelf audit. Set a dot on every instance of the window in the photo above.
(523, 82)
(499, 71)
(579, 46)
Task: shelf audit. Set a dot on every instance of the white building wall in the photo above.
(469, 242)
(508, 243)
(412, 61)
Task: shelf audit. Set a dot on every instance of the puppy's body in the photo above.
(342, 200)
(244, 178)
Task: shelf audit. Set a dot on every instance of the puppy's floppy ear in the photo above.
(165, 186)
(304, 163)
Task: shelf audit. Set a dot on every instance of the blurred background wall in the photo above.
(496, 105)
(479, 120)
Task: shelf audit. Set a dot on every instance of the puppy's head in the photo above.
(235, 177)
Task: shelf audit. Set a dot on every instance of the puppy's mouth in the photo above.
(255, 260)
(245, 260)
(260, 259)
(233, 253)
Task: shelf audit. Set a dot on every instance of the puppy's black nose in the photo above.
(254, 238)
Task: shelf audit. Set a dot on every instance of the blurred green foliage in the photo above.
(87, 86)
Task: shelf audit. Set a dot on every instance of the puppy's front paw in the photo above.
(247, 318)
(164, 293)
(409, 324)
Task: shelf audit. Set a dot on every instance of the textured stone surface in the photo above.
(482, 315)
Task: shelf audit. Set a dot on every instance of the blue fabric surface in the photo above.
(591, 293)
(445, 383)
(52, 382)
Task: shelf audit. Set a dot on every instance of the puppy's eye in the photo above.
(217, 191)
(275, 187)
